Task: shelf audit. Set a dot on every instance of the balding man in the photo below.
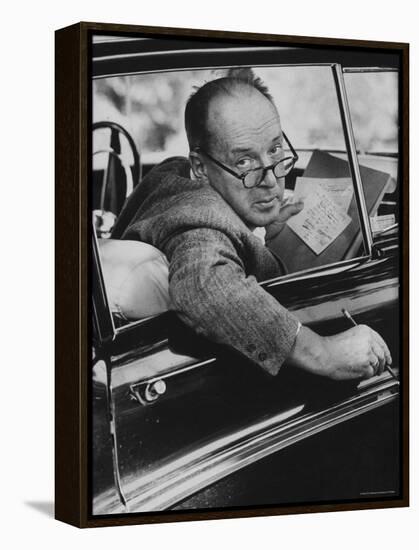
(203, 213)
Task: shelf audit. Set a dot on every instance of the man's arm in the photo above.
(212, 294)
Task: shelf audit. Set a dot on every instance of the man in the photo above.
(204, 222)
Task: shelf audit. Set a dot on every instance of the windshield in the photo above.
(374, 104)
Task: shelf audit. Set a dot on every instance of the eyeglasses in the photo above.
(254, 177)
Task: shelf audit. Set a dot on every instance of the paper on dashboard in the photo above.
(340, 190)
(322, 220)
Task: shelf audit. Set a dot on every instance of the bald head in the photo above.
(242, 83)
(242, 117)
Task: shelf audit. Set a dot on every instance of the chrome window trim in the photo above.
(202, 67)
(350, 70)
(198, 51)
(101, 311)
(353, 158)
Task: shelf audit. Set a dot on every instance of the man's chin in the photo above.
(261, 219)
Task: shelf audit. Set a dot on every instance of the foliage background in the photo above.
(151, 108)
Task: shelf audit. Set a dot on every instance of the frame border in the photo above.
(72, 302)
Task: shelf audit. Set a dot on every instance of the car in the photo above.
(178, 422)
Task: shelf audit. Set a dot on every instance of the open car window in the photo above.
(150, 110)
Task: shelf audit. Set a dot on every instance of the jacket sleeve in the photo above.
(212, 294)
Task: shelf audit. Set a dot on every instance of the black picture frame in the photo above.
(73, 422)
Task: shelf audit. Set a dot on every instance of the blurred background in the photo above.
(151, 108)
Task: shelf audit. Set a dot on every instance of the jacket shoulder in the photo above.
(172, 202)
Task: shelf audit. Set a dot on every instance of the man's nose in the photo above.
(269, 179)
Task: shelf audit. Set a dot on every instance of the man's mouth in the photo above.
(267, 202)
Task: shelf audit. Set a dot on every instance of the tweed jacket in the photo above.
(215, 263)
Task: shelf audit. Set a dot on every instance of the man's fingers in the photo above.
(290, 210)
(379, 340)
(369, 372)
(296, 207)
(379, 358)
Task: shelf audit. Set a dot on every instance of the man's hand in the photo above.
(290, 209)
(286, 212)
(357, 353)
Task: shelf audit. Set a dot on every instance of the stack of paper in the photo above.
(325, 213)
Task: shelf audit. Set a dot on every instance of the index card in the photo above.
(321, 221)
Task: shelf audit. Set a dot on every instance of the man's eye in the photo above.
(277, 150)
(244, 164)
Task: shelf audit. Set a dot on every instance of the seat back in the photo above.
(136, 277)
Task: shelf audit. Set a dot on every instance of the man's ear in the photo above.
(198, 166)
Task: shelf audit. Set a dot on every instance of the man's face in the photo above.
(245, 133)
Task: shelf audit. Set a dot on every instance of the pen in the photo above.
(354, 323)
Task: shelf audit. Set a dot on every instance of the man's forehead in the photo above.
(239, 98)
(243, 116)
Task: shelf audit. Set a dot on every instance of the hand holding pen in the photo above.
(386, 366)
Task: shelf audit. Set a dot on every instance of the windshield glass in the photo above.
(374, 105)
(373, 102)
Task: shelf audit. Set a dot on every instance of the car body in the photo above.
(179, 423)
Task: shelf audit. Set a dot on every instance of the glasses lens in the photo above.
(280, 170)
(253, 178)
(284, 167)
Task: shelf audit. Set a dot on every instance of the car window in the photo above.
(150, 107)
(374, 106)
(373, 102)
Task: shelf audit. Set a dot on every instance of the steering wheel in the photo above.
(114, 151)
